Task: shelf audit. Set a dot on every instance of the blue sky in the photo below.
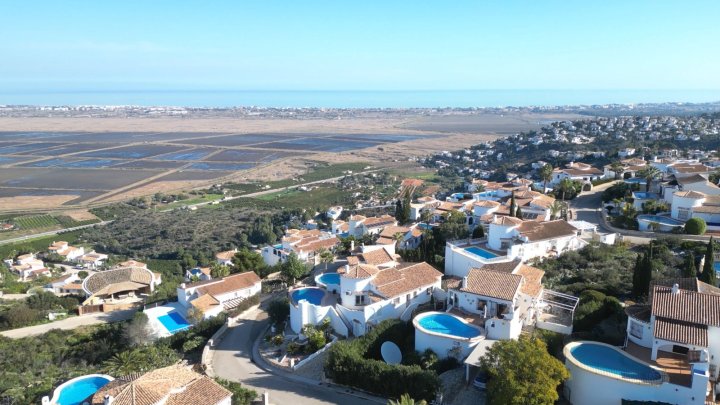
(373, 45)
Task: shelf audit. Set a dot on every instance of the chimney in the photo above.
(464, 282)
(182, 285)
(352, 245)
(347, 268)
(108, 400)
(675, 289)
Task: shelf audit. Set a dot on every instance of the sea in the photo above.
(353, 98)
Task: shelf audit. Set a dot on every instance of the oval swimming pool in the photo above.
(446, 324)
(312, 295)
(75, 391)
(329, 279)
(608, 359)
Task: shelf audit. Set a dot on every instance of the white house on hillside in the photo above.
(69, 253)
(581, 172)
(214, 296)
(304, 243)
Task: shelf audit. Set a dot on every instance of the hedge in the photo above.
(356, 363)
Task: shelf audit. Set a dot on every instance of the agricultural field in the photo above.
(35, 221)
(76, 168)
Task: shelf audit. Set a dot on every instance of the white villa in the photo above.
(630, 167)
(334, 212)
(410, 236)
(359, 225)
(367, 295)
(28, 266)
(511, 238)
(304, 243)
(92, 260)
(502, 298)
(70, 253)
(225, 258)
(211, 297)
(675, 341)
(67, 284)
(581, 172)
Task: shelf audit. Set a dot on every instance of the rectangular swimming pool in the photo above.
(481, 252)
(173, 322)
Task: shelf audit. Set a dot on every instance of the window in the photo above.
(683, 214)
(396, 300)
(481, 305)
(636, 330)
(359, 299)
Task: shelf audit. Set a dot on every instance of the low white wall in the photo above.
(312, 356)
(554, 327)
(441, 345)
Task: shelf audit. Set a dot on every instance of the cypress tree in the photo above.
(513, 205)
(637, 270)
(406, 208)
(689, 269)
(646, 274)
(708, 273)
(398, 210)
(518, 213)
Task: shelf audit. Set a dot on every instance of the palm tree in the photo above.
(618, 169)
(406, 400)
(326, 257)
(546, 175)
(398, 237)
(124, 363)
(565, 186)
(649, 173)
(555, 209)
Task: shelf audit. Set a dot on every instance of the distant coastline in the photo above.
(354, 98)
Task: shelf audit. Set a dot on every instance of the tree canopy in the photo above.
(293, 268)
(507, 363)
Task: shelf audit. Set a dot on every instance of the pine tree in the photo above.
(708, 273)
(689, 269)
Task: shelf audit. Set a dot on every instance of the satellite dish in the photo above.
(391, 353)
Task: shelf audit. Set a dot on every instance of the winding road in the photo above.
(232, 360)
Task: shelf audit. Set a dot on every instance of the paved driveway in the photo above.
(231, 360)
(69, 323)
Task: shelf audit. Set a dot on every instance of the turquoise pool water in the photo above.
(659, 220)
(610, 360)
(448, 325)
(481, 252)
(77, 391)
(330, 278)
(311, 295)
(174, 322)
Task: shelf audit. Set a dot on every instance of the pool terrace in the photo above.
(477, 249)
(676, 366)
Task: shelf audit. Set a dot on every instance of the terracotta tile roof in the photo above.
(359, 271)
(374, 222)
(581, 172)
(486, 203)
(695, 178)
(507, 267)
(640, 312)
(229, 284)
(205, 302)
(315, 245)
(681, 332)
(72, 286)
(131, 263)
(227, 255)
(412, 183)
(537, 231)
(686, 306)
(532, 280)
(689, 194)
(177, 385)
(376, 257)
(507, 221)
(394, 282)
(385, 241)
(707, 209)
(352, 260)
(61, 279)
(494, 284)
(391, 231)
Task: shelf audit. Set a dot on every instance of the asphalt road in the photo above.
(232, 360)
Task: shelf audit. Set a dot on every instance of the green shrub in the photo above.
(244, 305)
(695, 226)
(278, 311)
(356, 363)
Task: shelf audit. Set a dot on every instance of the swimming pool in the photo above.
(660, 220)
(312, 295)
(608, 359)
(481, 252)
(173, 322)
(75, 391)
(446, 324)
(329, 279)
